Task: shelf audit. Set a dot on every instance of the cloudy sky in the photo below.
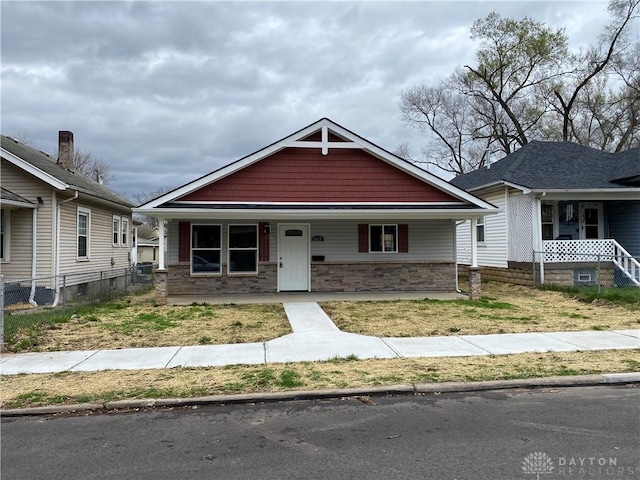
(165, 92)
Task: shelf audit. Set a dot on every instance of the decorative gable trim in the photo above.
(327, 129)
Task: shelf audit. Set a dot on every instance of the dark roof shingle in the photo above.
(558, 165)
(75, 180)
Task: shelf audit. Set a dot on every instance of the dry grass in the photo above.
(135, 322)
(68, 388)
(505, 308)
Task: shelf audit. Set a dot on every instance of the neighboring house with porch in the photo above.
(321, 210)
(578, 205)
(57, 222)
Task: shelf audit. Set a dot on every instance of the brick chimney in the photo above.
(65, 150)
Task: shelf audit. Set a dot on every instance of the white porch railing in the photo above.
(608, 250)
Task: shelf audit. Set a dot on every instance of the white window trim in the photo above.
(555, 219)
(229, 249)
(395, 225)
(124, 229)
(116, 230)
(191, 249)
(87, 212)
(6, 238)
(481, 223)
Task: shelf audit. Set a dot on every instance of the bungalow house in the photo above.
(57, 222)
(578, 205)
(321, 210)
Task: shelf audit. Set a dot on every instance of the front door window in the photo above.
(591, 221)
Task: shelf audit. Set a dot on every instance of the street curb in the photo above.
(417, 389)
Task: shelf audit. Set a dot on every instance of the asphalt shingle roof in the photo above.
(75, 180)
(558, 165)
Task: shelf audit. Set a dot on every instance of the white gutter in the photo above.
(57, 272)
(34, 243)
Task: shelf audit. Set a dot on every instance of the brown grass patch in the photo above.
(68, 387)
(505, 308)
(135, 322)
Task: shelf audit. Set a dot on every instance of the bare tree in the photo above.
(144, 197)
(525, 85)
(588, 66)
(95, 169)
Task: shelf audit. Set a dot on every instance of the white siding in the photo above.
(493, 251)
(30, 188)
(428, 240)
(101, 249)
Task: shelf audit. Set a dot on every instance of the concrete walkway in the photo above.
(314, 338)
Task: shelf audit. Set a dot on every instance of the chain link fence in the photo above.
(21, 299)
(600, 272)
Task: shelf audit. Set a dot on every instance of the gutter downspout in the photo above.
(57, 272)
(34, 242)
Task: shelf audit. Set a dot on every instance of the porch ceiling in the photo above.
(389, 213)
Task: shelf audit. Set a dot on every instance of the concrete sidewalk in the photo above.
(314, 338)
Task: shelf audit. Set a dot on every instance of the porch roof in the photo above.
(8, 198)
(428, 211)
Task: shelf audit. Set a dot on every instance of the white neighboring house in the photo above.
(56, 222)
(567, 200)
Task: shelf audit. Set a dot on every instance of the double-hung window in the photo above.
(116, 231)
(480, 230)
(205, 248)
(125, 232)
(243, 249)
(83, 233)
(383, 238)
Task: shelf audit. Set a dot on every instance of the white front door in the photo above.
(591, 224)
(293, 257)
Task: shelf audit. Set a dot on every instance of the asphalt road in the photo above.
(577, 433)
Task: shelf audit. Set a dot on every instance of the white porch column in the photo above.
(161, 265)
(474, 242)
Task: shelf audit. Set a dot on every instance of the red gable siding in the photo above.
(305, 175)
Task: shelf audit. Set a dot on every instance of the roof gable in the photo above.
(320, 163)
(304, 175)
(45, 168)
(557, 165)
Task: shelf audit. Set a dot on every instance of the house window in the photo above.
(383, 238)
(205, 248)
(480, 230)
(83, 233)
(4, 235)
(546, 215)
(125, 232)
(116, 231)
(243, 248)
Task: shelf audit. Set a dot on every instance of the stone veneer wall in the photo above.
(515, 275)
(181, 282)
(556, 274)
(383, 276)
(325, 277)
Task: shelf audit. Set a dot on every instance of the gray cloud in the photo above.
(167, 91)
